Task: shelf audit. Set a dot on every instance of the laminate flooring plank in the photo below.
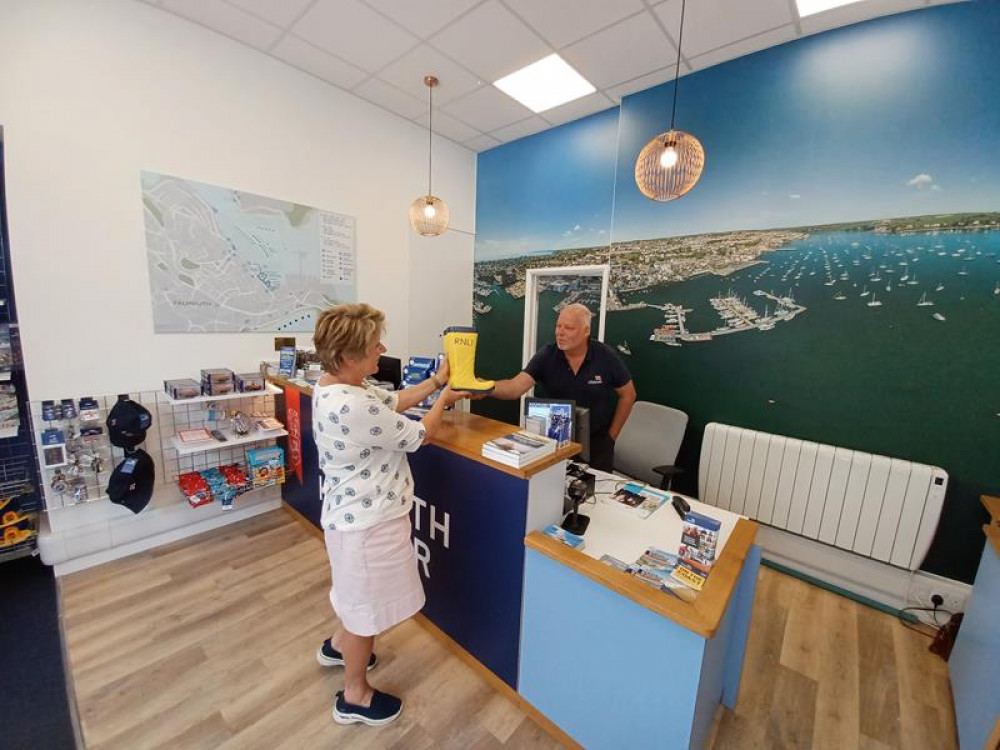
(921, 720)
(878, 684)
(803, 631)
(838, 720)
(791, 719)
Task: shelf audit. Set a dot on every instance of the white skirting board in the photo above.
(894, 587)
(69, 550)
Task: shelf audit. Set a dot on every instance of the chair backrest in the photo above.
(651, 437)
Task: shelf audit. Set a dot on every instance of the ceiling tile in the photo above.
(487, 109)
(745, 47)
(482, 143)
(574, 110)
(280, 13)
(408, 74)
(449, 127)
(602, 59)
(526, 127)
(321, 64)
(227, 20)
(854, 13)
(354, 32)
(642, 82)
(562, 22)
(388, 96)
(710, 24)
(491, 42)
(423, 18)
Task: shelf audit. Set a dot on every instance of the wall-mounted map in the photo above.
(222, 260)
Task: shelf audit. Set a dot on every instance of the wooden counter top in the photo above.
(992, 529)
(702, 616)
(465, 433)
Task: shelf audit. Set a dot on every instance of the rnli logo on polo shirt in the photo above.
(596, 380)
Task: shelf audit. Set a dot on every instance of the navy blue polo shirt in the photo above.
(593, 386)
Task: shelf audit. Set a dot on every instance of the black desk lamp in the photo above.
(575, 523)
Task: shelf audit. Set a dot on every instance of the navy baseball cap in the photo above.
(128, 422)
(131, 483)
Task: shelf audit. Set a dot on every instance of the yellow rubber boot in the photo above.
(460, 348)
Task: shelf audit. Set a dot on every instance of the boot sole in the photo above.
(340, 718)
(326, 661)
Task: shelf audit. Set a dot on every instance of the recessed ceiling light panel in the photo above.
(545, 84)
(812, 7)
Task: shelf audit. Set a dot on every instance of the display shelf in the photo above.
(234, 440)
(269, 390)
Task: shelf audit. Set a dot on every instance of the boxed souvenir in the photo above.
(267, 465)
(182, 388)
(249, 382)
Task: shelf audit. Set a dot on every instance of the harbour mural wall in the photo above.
(835, 275)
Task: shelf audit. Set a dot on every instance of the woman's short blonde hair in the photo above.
(346, 330)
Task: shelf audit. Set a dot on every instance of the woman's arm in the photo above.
(432, 420)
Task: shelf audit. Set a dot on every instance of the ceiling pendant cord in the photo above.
(677, 67)
(430, 133)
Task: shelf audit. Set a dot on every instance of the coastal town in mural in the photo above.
(761, 273)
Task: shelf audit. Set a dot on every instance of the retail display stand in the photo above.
(83, 527)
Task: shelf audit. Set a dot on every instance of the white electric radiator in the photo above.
(883, 508)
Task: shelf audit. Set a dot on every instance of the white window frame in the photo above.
(531, 278)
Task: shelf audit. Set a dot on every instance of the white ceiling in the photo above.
(381, 49)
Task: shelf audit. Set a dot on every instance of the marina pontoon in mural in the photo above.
(835, 275)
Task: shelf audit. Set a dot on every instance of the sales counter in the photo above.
(975, 660)
(596, 656)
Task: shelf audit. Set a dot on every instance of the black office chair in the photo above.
(648, 444)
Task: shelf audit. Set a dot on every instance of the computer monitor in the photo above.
(390, 370)
(549, 416)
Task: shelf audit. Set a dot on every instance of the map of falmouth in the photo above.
(222, 260)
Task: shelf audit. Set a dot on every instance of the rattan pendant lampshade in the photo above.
(671, 163)
(429, 214)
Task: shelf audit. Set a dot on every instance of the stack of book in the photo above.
(518, 448)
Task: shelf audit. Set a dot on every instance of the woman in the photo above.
(367, 493)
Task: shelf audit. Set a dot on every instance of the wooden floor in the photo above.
(210, 643)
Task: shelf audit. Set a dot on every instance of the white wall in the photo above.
(93, 92)
(441, 276)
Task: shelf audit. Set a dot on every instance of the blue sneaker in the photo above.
(384, 708)
(328, 656)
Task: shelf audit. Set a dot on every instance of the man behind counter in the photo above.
(588, 372)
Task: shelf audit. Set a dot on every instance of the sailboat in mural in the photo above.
(623, 348)
(874, 302)
(924, 302)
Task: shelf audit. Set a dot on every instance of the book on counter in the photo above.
(639, 500)
(559, 533)
(696, 555)
(518, 448)
(656, 567)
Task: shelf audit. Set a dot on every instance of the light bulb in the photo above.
(429, 211)
(669, 157)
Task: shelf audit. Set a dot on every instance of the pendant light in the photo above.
(670, 164)
(428, 213)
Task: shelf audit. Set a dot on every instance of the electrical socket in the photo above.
(924, 586)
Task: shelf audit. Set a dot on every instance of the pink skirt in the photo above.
(375, 580)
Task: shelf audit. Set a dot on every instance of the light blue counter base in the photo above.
(975, 660)
(612, 674)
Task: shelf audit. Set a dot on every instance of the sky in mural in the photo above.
(802, 134)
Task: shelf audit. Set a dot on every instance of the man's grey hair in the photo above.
(580, 312)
